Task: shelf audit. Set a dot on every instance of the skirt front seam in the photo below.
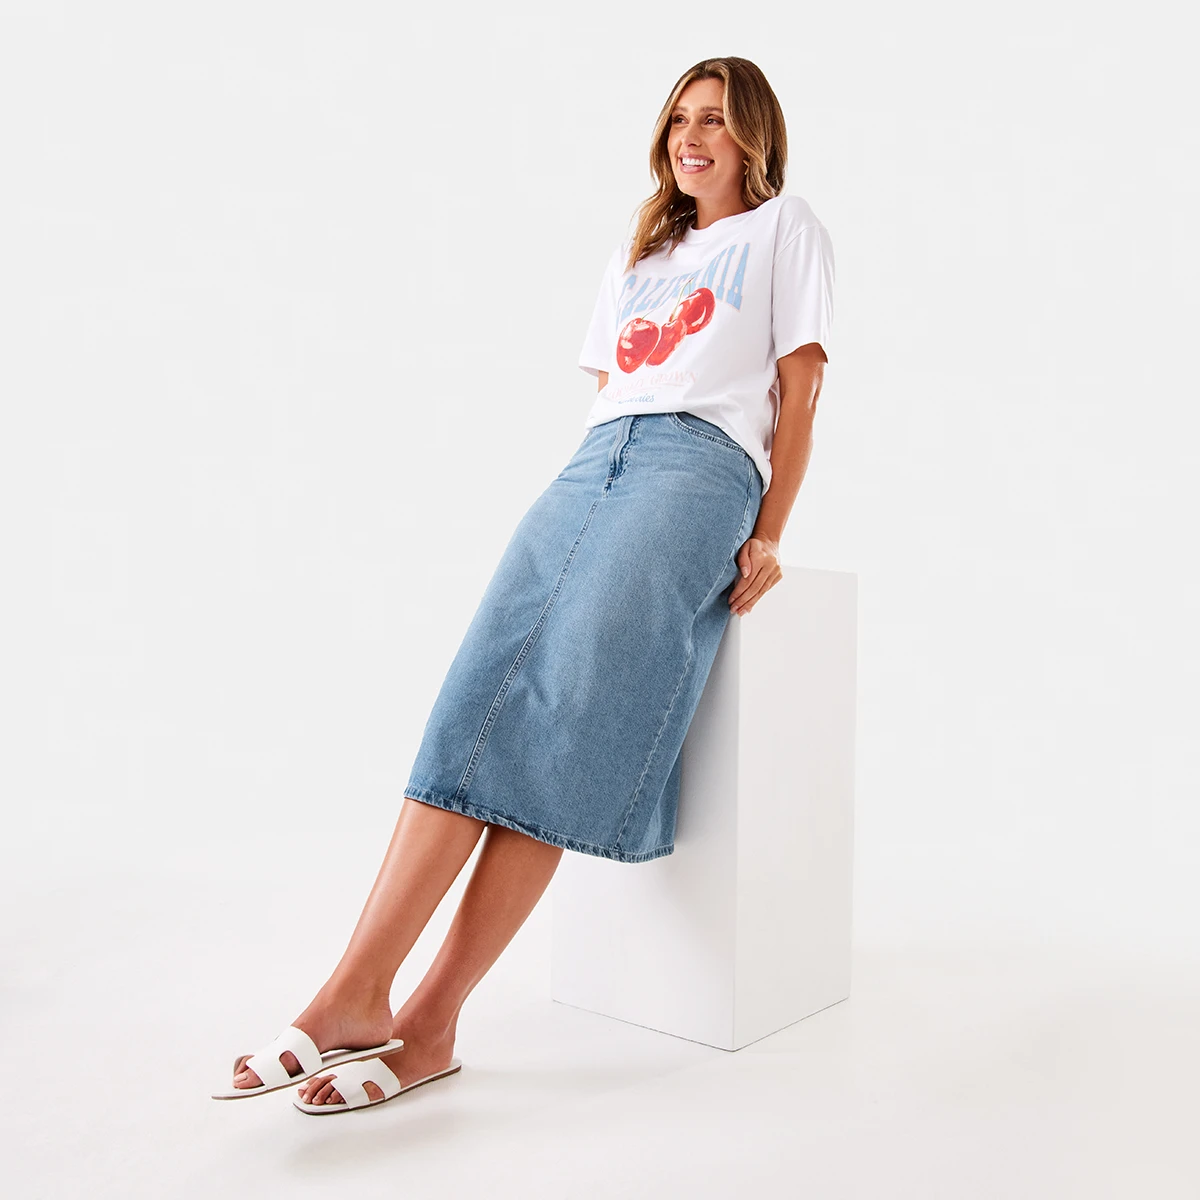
(718, 585)
(530, 642)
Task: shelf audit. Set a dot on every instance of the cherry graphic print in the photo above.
(672, 334)
(643, 341)
(635, 342)
(696, 310)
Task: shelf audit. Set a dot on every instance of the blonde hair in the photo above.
(755, 121)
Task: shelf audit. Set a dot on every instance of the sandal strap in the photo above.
(349, 1078)
(266, 1065)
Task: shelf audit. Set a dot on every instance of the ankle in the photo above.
(426, 1025)
(344, 995)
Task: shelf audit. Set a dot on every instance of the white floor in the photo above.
(965, 1071)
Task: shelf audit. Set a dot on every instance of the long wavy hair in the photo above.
(755, 121)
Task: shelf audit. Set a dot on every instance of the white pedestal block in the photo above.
(746, 927)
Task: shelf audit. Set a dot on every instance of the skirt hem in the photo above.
(552, 837)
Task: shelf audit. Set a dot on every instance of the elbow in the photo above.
(802, 400)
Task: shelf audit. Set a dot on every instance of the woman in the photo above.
(560, 721)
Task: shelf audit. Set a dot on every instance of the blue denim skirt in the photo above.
(563, 713)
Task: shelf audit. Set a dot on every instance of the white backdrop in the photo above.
(291, 301)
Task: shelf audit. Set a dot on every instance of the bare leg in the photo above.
(510, 876)
(353, 1009)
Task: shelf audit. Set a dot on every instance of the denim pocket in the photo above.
(698, 427)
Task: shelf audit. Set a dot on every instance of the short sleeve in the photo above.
(802, 282)
(599, 345)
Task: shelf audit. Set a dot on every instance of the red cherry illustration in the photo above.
(672, 334)
(695, 310)
(636, 340)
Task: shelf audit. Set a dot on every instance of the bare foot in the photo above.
(425, 1052)
(334, 1024)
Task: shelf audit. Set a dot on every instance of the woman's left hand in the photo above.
(758, 564)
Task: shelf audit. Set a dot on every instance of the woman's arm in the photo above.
(603, 378)
(801, 374)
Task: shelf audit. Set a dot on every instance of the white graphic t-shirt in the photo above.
(700, 331)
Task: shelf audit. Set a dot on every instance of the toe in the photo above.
(243, 1077)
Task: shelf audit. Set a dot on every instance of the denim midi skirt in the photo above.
(564, 710)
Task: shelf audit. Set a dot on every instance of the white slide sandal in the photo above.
(265, 1063)
(349, 1080)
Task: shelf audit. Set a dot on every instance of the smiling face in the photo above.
(707, 162)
